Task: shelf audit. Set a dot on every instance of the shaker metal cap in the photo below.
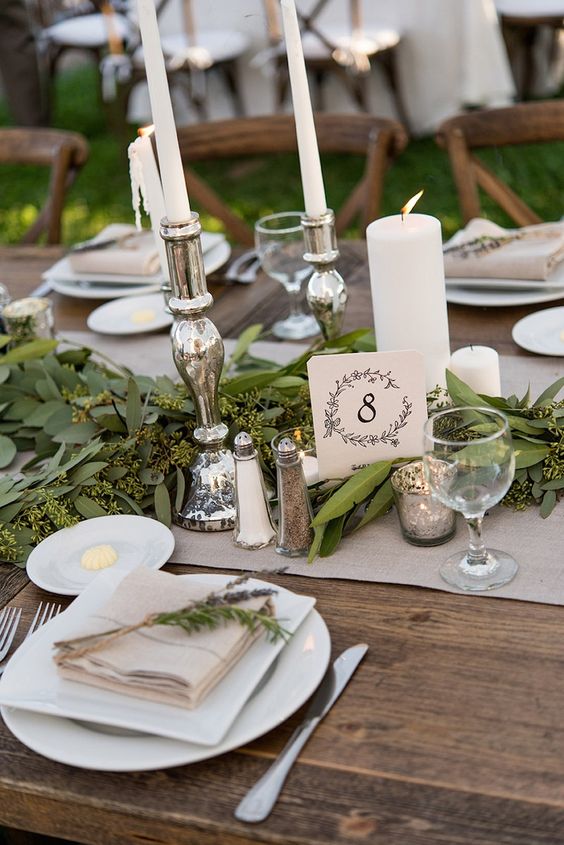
(287, 452)
(244, 445)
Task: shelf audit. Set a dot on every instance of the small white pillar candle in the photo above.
(145, 178)
(310, 164)
(172, 174)
(478, 367)
(310, 467)
(408, 289)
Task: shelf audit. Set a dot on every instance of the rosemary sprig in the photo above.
(218, 607)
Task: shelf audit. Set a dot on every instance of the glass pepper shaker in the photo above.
(253, 521)
(295, 533)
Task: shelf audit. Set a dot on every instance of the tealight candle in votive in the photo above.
(424, 521)
(27, 318)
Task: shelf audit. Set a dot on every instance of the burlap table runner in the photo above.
(377, 552)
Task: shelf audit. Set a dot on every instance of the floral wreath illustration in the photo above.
(389, 435)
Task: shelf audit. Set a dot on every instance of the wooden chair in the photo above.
(378, 139)
(525, 123)
(341, 52)
(64, 152)
(522, 25)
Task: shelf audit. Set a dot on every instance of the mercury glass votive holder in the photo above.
(424, 521)
(28, 318)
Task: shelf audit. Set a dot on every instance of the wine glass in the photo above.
(469, 464)
(280, 247)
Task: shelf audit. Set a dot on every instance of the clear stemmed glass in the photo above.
(280, 247)
(469, 464)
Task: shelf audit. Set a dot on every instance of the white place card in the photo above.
(367, 407)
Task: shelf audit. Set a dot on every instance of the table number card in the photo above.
(367, 407)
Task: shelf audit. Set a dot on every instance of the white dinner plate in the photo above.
(130, 315)
(541, 332)
(499, 298)
(33, 682)
(103, 286)
(294, 677)
(54, 565)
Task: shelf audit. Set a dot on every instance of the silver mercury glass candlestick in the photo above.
(198, 354)
(326, 291)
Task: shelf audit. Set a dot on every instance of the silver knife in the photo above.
(257, 804)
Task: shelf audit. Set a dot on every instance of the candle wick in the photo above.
(402, 215)
(471, 347)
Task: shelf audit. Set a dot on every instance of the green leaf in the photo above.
(77, 433)
(379, 504)
(535, 472)
(20, 409)
(163, 509)
(527, 454)
(180, 489)
(353, 491)
(87, 470)
(115, 473)
(131, 503)
(548, 503)
(249, 381)
(46, 410)
(4, 373)
(150, 476)
(332, 536)
(37, 348)
(243, 343)
(133, 408)
(548, 395)
(58, 420)
(7, 450)
(88, 508)
(555, 484)
(318, 532)
(460, 393)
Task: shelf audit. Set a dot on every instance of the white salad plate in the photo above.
(106, 286)
(500, 298)
(54, 565)
(259, 693)
(130, 315)
(541, 332)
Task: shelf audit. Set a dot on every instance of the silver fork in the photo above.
(43, 614)
(9, 621)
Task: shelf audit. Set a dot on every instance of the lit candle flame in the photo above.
(146, 130)
(409, 204)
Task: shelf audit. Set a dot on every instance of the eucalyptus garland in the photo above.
(103, 440)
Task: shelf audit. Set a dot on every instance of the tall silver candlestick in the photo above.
(326, 291)
(198, 354)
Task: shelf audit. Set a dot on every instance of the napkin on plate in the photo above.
(161, 663)
(135, 254)
(485, 250)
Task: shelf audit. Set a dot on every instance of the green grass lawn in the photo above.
(102, 195)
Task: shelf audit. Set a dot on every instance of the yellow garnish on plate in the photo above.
(143, 315)
(99, 557)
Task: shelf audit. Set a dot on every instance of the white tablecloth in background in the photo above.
(452, 54)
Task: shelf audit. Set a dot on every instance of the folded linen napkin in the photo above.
(135, 254)
(161, 663)
(485, 250)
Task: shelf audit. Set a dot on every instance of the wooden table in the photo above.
(452, 730)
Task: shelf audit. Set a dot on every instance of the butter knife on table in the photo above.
(257, 804)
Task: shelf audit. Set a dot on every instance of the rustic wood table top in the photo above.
(451, 731)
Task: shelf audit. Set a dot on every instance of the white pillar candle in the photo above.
(145, 178)
(408, 289)
(478, 367)
(310, 165)
(310, 467)
(172, 174)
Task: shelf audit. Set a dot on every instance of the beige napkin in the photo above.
(485, 250)
(136, 253)
(161, 663)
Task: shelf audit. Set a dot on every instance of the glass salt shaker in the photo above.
(295, 533)
(254, 528)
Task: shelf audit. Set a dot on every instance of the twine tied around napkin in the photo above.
(135, 253)
(125, 648)
(485, 250)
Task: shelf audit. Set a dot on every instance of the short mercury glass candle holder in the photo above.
(424, 521)
(28, 318)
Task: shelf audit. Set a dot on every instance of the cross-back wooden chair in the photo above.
(525, 123)
(344, 51)
(522, 25)
(64, 152)
(378, 139)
